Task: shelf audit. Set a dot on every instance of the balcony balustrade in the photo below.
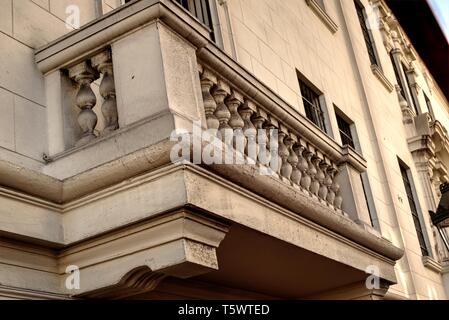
(212, 88)
(301, 163)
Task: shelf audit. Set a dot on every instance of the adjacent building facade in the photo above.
(93, 205)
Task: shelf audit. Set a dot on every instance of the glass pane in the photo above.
(312, 105)
(366, 33)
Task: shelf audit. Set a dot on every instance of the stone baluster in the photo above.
(312, 171)
(284, 152)
(208, 80)
(234, 101)
(305, 165)
(319, 176)
(103, 63)
(83, 74)
(271, 127)
(263, 153)
(324, 181)
(222, 113)
(249, 129)
(338, 201)
(331, 193)
(301, 167)
(293, 159)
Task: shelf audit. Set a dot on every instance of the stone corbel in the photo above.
(181, 244)
(421, 143)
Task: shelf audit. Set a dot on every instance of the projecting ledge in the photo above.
(180, 244)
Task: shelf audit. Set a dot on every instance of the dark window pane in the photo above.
(345, 131)
(200, 9)
(414, 211)
(367, 202)
(398, 77)
(429, 106)
(312, 105)
(410, 89)
(366, 33)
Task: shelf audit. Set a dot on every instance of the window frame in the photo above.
(348, 135)
(366, 186)
(317, 110)
(413, 101)
(367, 34)
(429, 105)
(397, 74)
(417, 217)
(212, 15)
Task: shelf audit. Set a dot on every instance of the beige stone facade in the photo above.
(87, 182)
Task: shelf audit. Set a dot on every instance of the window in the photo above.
(414, 209)
(312, 105)
(410, 89)
(369, 204)
(345, 132)
(346, 127)
(366, 33)
(398, 77)
(429, 106)
(200, 9)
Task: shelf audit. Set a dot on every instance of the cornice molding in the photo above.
(322, 14)
(432, 264)
(382, 78)
(27, 294)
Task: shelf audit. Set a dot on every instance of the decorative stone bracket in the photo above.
(181, 244)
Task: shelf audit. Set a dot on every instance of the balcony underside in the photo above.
(255, 262)
(267, 249)
(255, 266)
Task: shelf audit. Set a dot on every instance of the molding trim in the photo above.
(356, 291)
(137, 281)
(382, 78)
(322, 14)
(432, 264)
(13, 293)
(445, 267)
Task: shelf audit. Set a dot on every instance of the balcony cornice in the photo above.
(94, 36)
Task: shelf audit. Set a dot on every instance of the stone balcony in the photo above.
(116, 91)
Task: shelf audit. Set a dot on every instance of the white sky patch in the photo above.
(441, 10)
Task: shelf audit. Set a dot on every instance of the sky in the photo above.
(441, 9)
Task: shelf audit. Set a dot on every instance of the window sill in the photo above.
(380, 75)
(327, 20)
(432, 264)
